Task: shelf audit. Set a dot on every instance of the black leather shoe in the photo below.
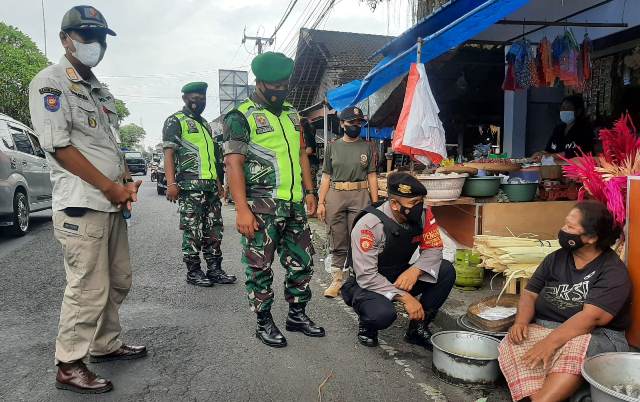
(268, 332)
(298, 321)
(196, 277)
(217, 274)
(125, 352)
(367, 336)
(76, 377)
(418, 333)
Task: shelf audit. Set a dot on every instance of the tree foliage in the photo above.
(20, 61)
(121, 110)
(131, 135)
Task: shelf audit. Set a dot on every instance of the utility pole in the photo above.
(44, 29)
(260, 41)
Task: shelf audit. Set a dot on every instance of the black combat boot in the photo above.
(195, 276)
(367, 336)
(298, 321)
(418, 332)
(267, 331)
(215, 272)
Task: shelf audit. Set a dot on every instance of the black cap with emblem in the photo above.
(85, 17)
(351, 113)
(405, 185)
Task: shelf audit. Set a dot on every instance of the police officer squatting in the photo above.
(384, 238)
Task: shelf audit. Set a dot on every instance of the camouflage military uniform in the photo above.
(283, 222)
(199, 202)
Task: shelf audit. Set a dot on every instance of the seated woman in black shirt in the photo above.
(574, 130)
(583, 288)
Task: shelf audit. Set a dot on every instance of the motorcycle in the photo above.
(154, 171)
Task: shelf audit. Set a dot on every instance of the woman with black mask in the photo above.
(349, 183)
(576, 305)
(574, 130)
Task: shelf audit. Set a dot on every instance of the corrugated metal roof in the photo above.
(347, 54)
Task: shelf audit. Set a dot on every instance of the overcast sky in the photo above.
(162, 44)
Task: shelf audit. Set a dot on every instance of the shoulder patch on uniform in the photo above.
(367, 240)
(49, 90)
(71, 74)
(364, 160)
(52, 102)
(262, 123)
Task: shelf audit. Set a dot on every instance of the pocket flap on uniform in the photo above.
(95, 231)
(87, 107)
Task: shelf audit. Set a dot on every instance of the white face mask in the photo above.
(567, 116)
(88, 54)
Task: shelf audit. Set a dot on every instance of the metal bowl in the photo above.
(606, 370)
(461, 357)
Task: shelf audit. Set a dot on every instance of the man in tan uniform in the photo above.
(75, 119)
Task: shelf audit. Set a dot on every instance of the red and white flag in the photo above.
(419, 132)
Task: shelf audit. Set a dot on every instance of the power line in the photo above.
(293, 32)
(287, 12)
(293, 41)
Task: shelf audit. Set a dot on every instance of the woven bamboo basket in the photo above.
(501, 325)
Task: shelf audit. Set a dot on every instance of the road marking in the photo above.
(430, 393)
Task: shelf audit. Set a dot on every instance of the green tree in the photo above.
(20, 61)
(121, 110)
(131, 135)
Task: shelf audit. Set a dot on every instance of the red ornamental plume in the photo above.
(583, 170)
(606, 179)
(620, 142)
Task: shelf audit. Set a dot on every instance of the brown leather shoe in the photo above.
(76, 377)
(125, 352)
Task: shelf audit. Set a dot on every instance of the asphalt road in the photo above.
(201, 341)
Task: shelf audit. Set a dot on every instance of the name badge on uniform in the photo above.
(262, 123)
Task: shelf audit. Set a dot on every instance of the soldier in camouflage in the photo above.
(193, 171)
(269, 176)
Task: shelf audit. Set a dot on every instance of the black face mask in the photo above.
(197, 107)
(352, 131)
(275, 97)
(570, 241)
(414, 214)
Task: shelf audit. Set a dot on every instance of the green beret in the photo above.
(195, 87)
(272, 67)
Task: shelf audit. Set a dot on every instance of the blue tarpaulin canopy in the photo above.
(446, 29)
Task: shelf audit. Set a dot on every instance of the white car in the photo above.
(25, 183)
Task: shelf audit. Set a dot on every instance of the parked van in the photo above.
(25, 183)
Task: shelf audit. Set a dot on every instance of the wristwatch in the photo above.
(309, 192)
(128, 180)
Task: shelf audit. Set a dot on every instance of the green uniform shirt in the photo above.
(271, 143)
(197, 162)
(349, 161)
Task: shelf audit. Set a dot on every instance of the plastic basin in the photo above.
(481, 186)
(520, 192)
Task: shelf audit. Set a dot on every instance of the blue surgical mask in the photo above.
(567, 116)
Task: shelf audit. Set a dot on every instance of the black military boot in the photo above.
(367, 336)
(267, 331)
(195, 276)
(298, 321)
(216, 274)
(418, 332)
